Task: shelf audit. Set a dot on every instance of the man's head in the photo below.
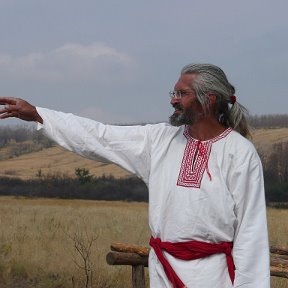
(210, 94)
(188, 109)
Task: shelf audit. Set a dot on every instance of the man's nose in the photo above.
(174, 101)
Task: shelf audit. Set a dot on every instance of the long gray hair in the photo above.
(212, 79)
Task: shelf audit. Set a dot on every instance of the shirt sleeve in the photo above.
(126, 146)
(251, 247)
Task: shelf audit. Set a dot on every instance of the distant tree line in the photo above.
(20, 134)
(57, 186)
(269, 121)
(275, 167)
(21, 140)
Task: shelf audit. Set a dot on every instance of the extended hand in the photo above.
(15, 107)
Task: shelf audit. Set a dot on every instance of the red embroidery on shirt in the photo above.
(195, 160)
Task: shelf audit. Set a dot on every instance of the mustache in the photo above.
(177, 106)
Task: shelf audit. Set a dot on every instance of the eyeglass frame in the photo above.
(178, 94)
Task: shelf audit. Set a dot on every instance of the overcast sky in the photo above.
(116, 61)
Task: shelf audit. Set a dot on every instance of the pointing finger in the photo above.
(7, 100)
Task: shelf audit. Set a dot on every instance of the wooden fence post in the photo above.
(138, 276)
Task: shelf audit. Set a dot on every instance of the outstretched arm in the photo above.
(18, 108)
(126, 146)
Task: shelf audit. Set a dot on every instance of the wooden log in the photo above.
(279, 262)
(144, 250)
(284, 257)
(134, 255)
(138, 276)
(120, 258)
(278, 272)
(130, 248)
(279, 250)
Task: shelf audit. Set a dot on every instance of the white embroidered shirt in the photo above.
(206, 191)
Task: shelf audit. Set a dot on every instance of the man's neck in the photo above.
(206, 129)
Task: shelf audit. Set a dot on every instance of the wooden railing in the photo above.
(137, 257)
(279, 262)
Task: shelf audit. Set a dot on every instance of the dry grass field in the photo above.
(56, 160)
(38, 239)
(53, 161)
(265, 138)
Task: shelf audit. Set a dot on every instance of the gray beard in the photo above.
(180, 119)
(185, 118)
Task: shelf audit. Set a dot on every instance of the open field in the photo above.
(266, 138)
(38, 238)
(56, 160)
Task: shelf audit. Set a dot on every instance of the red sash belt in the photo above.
(190, 250)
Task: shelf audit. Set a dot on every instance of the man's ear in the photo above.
(212, 102)
(212, 99)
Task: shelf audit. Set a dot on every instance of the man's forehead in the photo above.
(185, 80)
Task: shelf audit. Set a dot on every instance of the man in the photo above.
(206, 195)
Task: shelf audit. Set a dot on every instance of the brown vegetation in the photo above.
(55, 161)
(37, 240)
(40, 241)
(265, 138)
(269, 121)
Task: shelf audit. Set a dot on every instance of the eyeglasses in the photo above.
(179, 94)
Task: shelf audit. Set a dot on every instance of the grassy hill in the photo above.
(56, 160)
(52, 161)
(266, 138)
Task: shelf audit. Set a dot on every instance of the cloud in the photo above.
(93, 51)
(71, 61)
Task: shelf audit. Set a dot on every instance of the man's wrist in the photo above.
(38, 118)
